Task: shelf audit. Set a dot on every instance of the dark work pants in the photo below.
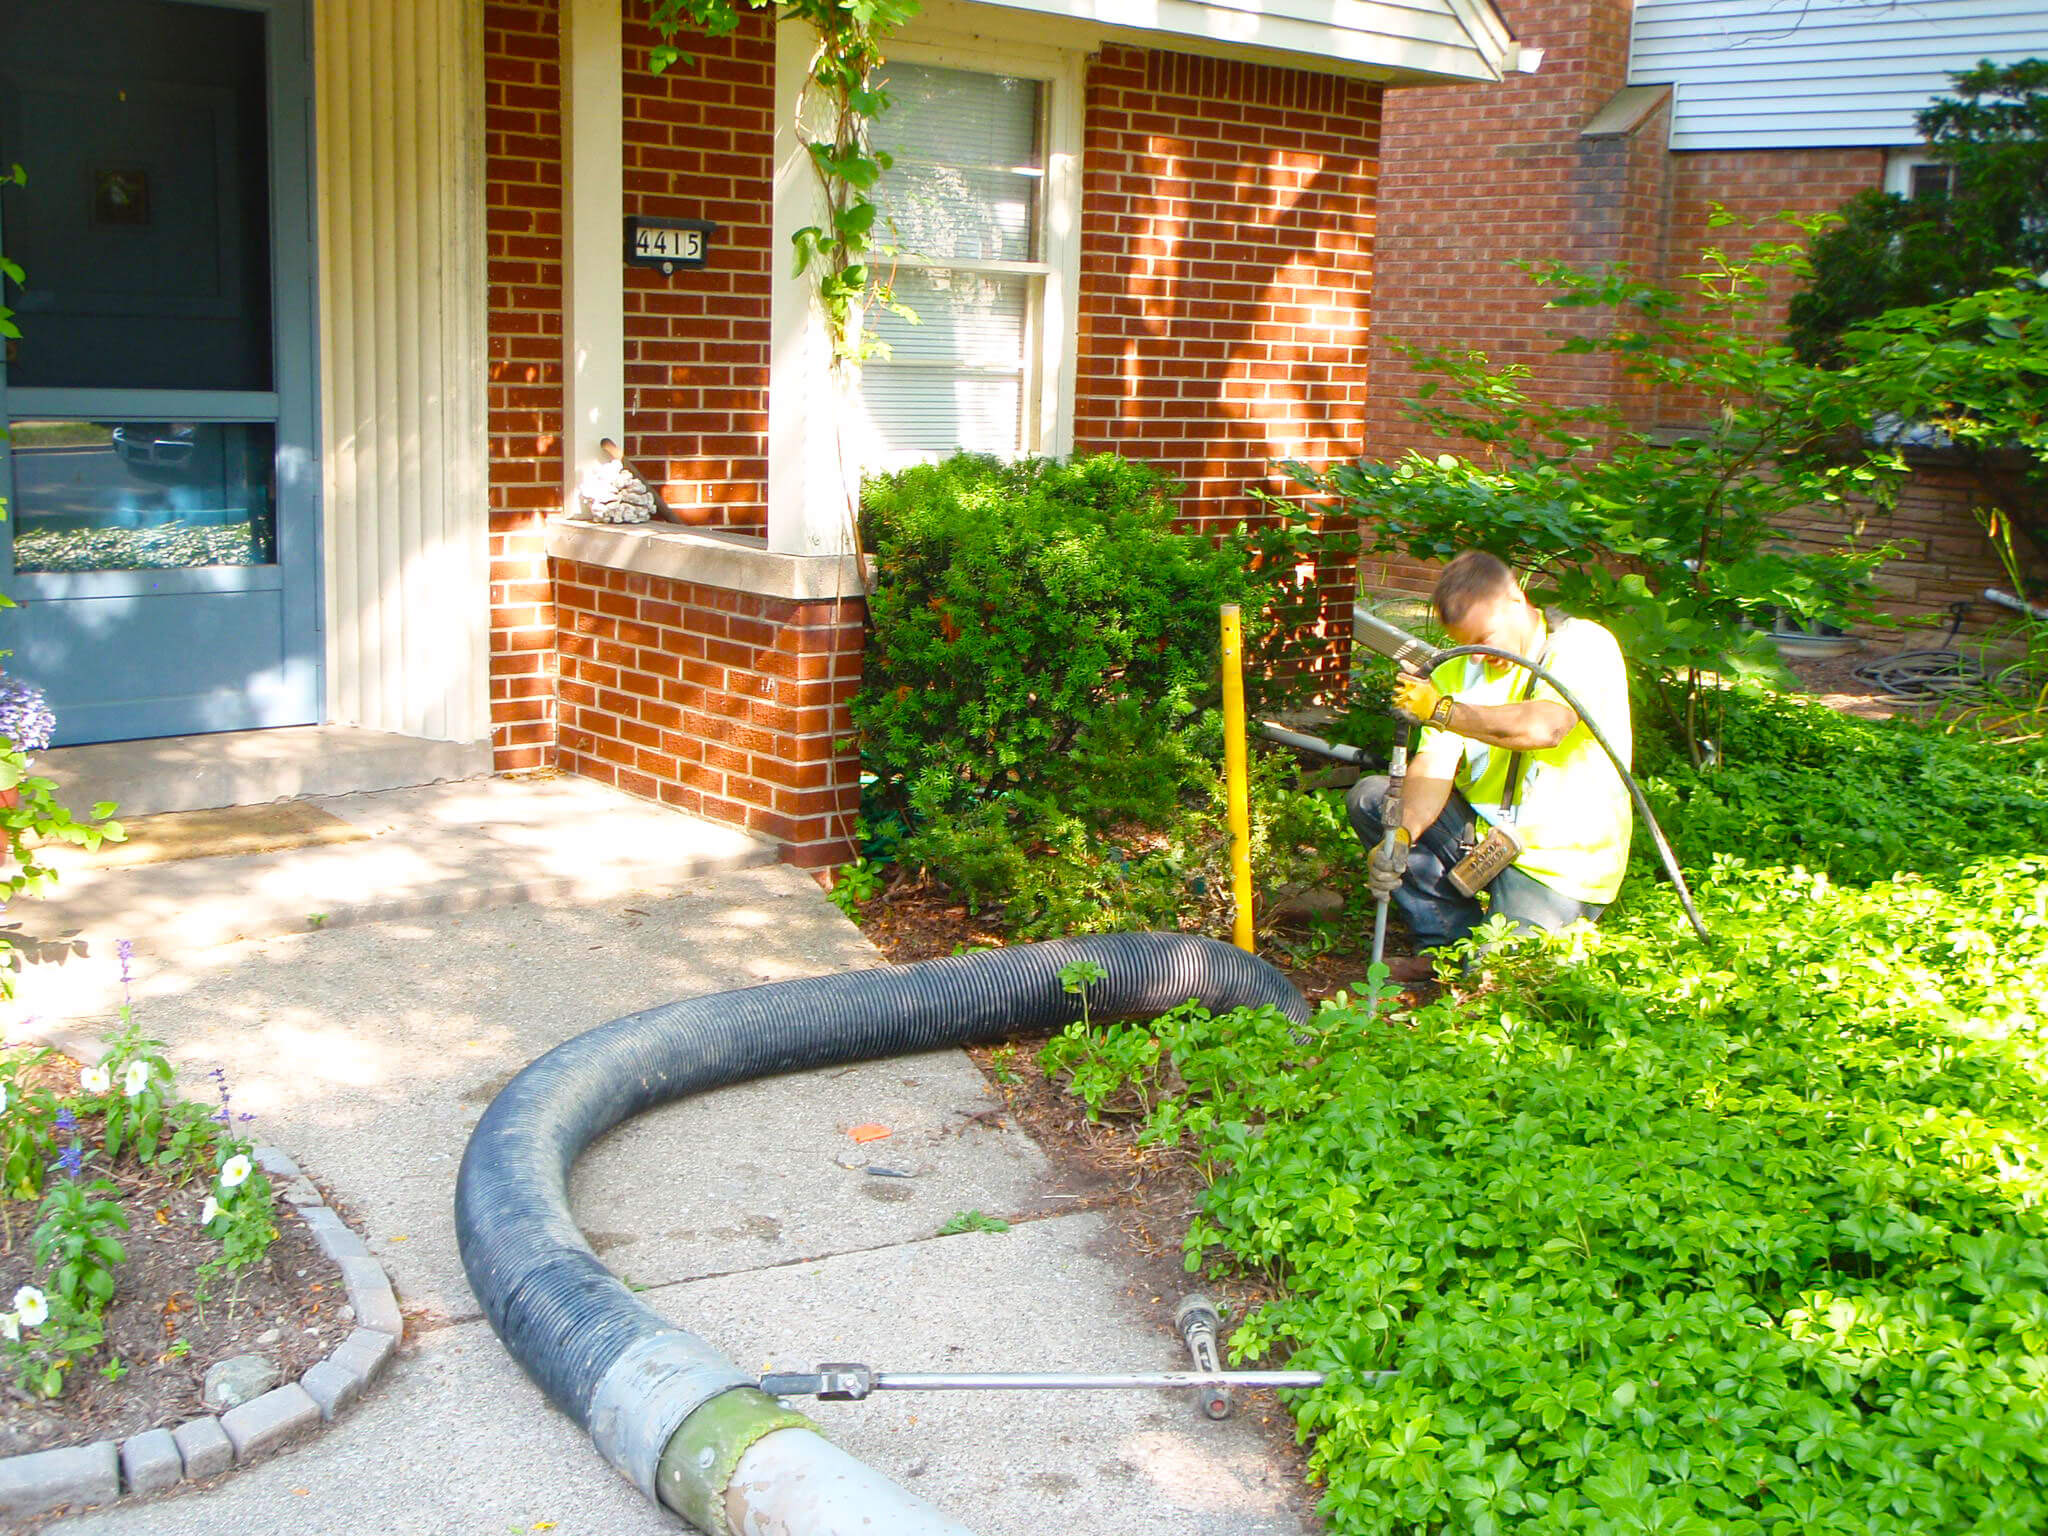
(1434, 909)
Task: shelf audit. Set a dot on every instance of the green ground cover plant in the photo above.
(1662, 1237)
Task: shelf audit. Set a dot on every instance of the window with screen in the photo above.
(964, 202)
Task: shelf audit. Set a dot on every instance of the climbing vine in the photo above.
(839, 104)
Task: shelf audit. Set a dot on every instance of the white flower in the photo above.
(10, 1327)
(95, 1079)
(135, 1079)
(234, 1171)
(3, 1098)
(31, 1306)
(208, 1211)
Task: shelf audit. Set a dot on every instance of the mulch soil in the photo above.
(286, 1308)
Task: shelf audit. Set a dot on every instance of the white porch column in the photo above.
(809, 485)
(398, 89)
(594, 212)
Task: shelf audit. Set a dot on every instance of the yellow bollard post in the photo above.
(1234, 777)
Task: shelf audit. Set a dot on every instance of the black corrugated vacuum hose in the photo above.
(601, 1354)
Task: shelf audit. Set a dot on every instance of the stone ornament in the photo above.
(610, 492)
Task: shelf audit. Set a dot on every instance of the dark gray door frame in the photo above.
(293, 406)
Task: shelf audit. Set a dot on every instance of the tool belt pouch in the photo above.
(1489, 856)
(1500, 847)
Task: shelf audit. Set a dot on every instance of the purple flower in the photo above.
(66, 1121)
(25, 717)
(71, 1160)
(124, 951)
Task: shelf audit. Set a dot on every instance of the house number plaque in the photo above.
(666, 244)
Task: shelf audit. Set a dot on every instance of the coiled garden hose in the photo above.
(680, 1420)
(1635, 790)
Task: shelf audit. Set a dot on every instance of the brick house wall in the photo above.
(1227, 251)
(1226, 280)
(523, 236)
(1475, 179)
(700, 142)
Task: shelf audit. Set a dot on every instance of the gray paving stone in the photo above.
(369, 1292)
(363, 1353)
(276, 1163)
(332, 1386)
(262, 1425)
(334, 1238)
(238, 1380)
(204, 1446)
(82, 1474)
(150, 1462)
(300, 1192)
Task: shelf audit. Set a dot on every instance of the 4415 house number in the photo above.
(666, 244)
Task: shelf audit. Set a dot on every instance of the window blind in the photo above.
(965, 185)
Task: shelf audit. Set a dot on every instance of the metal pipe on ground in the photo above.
(682, 1422)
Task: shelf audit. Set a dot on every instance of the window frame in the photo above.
(1899, 166)
(1052, 309)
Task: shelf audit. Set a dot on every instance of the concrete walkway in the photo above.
(369, 1049)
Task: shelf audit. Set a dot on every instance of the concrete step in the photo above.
(435, 849)
(198, 773)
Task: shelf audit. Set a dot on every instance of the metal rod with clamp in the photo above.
(843, 1382)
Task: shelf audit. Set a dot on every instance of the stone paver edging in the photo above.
(42, 1482)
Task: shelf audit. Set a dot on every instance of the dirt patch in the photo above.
(164, 1336)
(1833, 682)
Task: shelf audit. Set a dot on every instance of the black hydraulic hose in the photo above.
(1635, 790)
(600, 1353)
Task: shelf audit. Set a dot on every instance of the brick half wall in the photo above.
(726, 704)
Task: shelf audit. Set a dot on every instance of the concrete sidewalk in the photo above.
(369, 1050)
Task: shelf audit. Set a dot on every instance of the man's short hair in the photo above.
(1472, 578)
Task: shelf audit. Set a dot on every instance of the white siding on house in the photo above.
(1399, 41)
(399, 91)
(1785, 74)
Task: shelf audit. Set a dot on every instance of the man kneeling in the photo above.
(1501, 749)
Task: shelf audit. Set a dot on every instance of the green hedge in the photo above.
(1037, 706)
(1018, 602)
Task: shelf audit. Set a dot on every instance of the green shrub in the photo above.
(1017, 603)
(1668, 1238)
(1888, 253)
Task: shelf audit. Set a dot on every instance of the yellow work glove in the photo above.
(1387, 867)
(1420, 700)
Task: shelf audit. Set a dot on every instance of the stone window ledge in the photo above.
(735, 562)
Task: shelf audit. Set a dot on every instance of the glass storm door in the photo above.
(160, 470)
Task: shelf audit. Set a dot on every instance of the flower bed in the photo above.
(140, 1244)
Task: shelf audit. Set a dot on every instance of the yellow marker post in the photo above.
(1235, 781)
